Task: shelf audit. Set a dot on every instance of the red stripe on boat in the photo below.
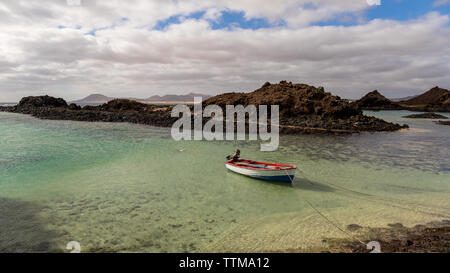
(277, 166)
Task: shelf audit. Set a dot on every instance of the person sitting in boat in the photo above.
(235, 157)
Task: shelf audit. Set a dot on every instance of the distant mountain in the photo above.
(168, 98)
(403, 99)
(434, 96)
(94, 98)
(99, 98)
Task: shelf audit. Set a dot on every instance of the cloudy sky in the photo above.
(142, 48)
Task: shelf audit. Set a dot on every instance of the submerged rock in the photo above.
(427, 115)
(433, 237)
(443, 122)
(396, 225)
(354, 227)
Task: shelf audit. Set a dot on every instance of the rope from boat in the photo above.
(418, 208)
(326, 218)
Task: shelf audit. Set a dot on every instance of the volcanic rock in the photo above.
(375, 101)
(431, 238)
(307, 109)
(294, 100)
(125, 105)
(73, 106)
(435, 96)
(442, 122)
(303, 109)
(42, 101)
(435, 100)
(427, 115)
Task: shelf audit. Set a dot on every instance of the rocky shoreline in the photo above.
(430, 238)
(113, 111)
(304, 109)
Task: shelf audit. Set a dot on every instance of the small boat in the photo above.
(261, 170)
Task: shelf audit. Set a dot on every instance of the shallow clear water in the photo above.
(128, 188)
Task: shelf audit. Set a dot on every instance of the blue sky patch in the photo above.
(230, 19)
(399, 10)
(176, 19)
(402, 10)
(227, 20)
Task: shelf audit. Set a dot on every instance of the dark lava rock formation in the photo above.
(427, 115)
(120, 110)
(294, 100)
(303, 109)
(435, 97)
(443, 122)
(307, 109)
(42, 101)
(435, 100)
(375, 101)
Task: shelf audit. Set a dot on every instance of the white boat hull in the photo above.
(273, 175)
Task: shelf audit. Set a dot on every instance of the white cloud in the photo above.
(129, 58)
(374, 2)
(439, 3)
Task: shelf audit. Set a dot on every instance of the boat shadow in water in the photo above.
(308, 185)
(303, 184)
(21, 231)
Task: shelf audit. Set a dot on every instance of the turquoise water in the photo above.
(131, 188)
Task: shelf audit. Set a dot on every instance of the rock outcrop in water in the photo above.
(375, 101)
(120, 110)
(427, 116)
(303, 109)
(307, 109)
(434, 100)
(42, 101)
(443, 122)
(435, 97)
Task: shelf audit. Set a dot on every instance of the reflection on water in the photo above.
(122, 187)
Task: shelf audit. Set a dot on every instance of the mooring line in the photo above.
(388, 202)
(326, 218)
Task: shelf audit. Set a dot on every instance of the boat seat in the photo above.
(260, 166)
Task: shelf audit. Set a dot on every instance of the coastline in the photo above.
(303, 109)
(161, 117)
